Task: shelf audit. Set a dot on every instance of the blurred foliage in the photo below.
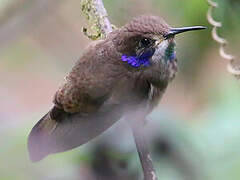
(194, 133)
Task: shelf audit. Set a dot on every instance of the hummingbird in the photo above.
(120, 76)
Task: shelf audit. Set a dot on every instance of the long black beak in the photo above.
(174, 31)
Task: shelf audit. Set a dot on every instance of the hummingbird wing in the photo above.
(59, 131)
(85, 105)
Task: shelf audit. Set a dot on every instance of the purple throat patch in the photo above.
(135, 61)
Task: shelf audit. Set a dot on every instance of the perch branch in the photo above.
(143, 152)
(232, 66)
(95, 13)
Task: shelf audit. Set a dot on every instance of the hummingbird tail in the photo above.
(59, 131)
(38, 137)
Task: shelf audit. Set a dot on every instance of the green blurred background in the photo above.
(195, 131)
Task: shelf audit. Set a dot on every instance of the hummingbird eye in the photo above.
(145, 42)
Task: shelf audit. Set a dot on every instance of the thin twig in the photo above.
(232, 67)
(94, 11)
(101, 14)
(97, 16)
(143, 152)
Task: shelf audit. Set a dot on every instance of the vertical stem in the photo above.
(143, 152)
(101, 14)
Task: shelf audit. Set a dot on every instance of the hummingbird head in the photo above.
(147, 41)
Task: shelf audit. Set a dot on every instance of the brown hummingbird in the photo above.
(124, 74)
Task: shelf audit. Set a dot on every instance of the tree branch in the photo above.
(95, 13)
(143, 152)
(97, 16)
